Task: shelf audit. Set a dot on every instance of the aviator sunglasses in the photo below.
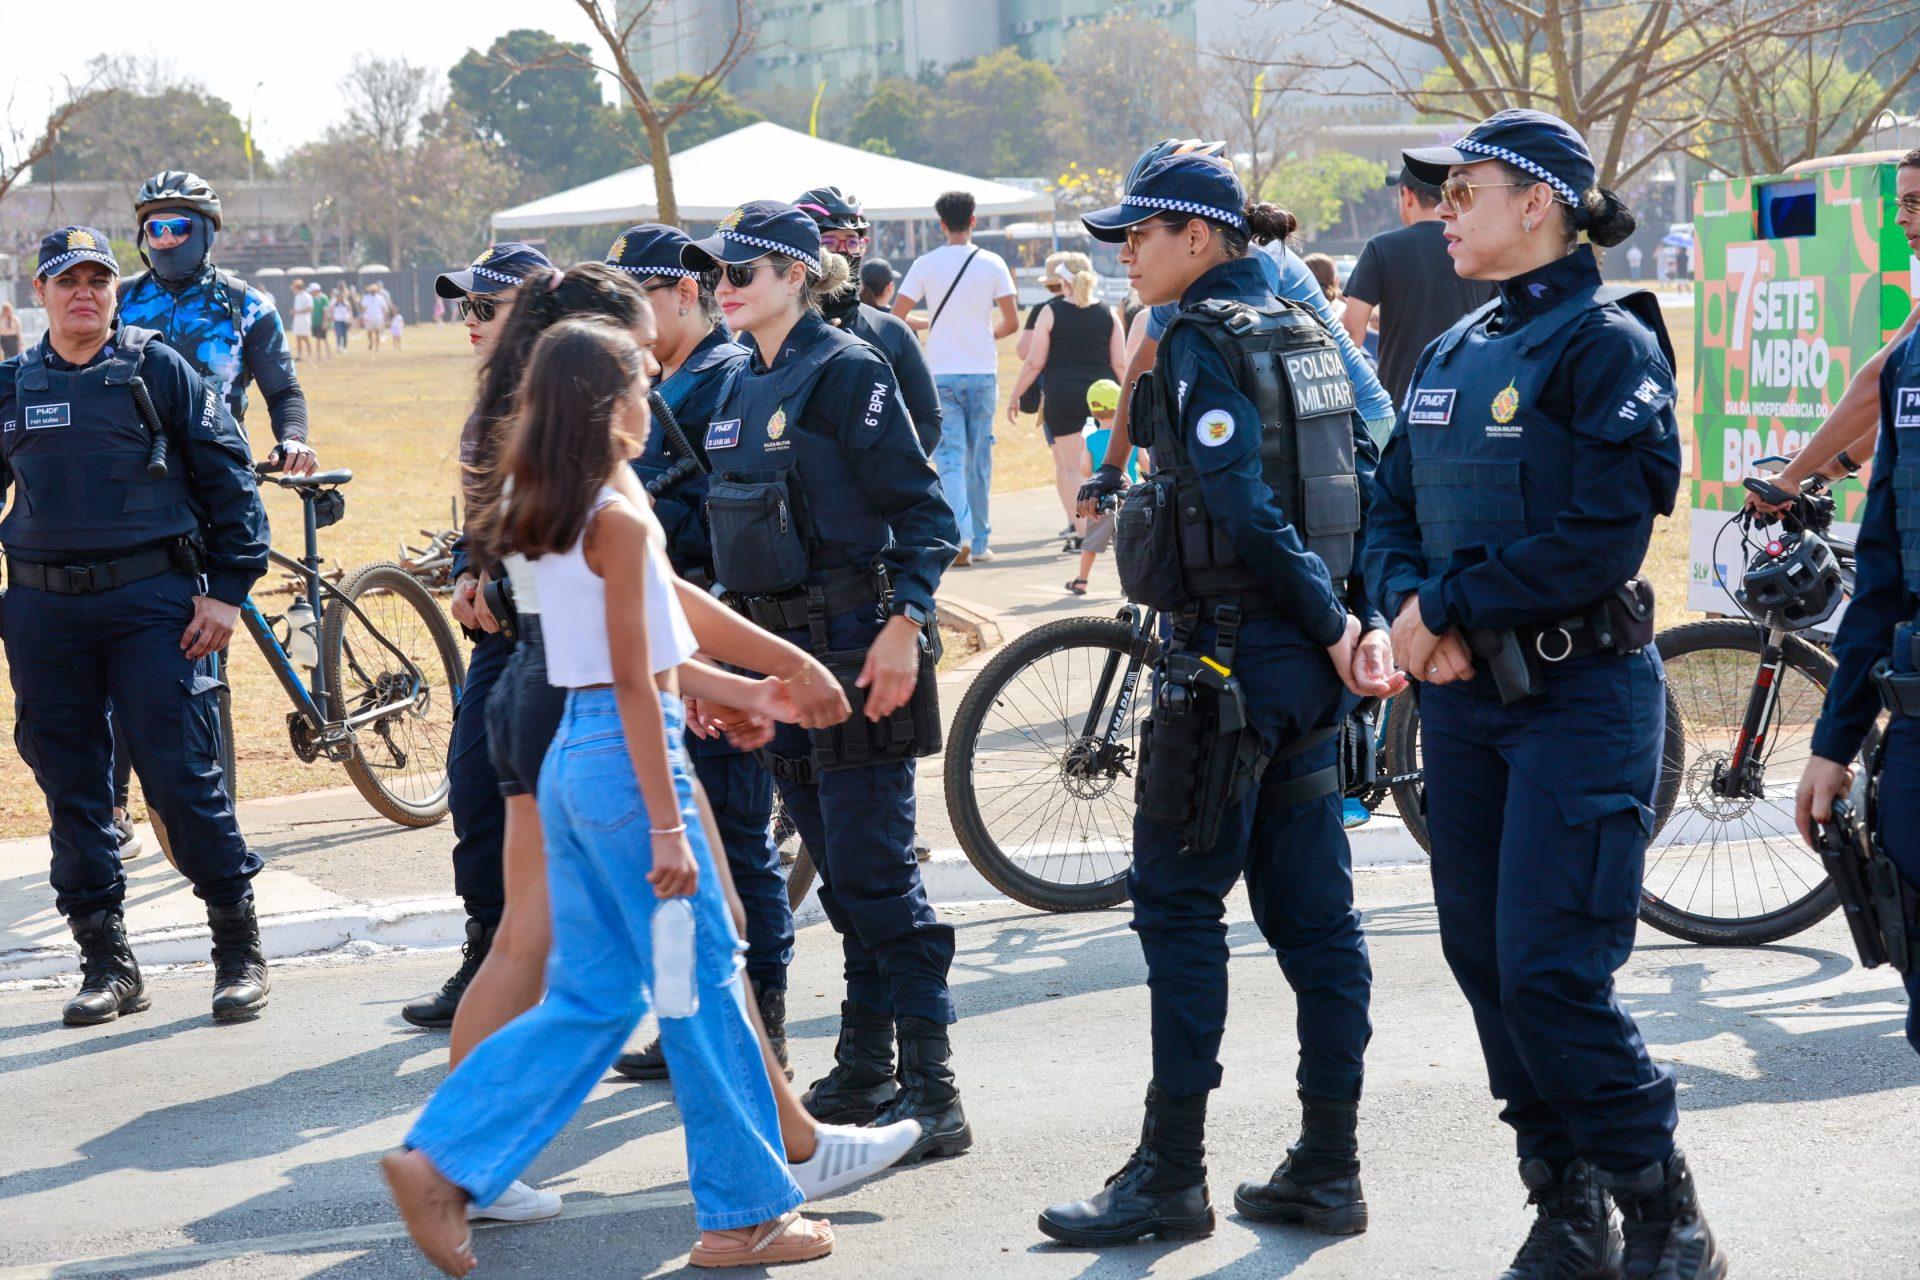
(1458, 191)
(481, 309)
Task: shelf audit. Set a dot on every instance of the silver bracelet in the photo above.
(669, 831)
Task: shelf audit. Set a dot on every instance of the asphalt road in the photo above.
(164, 1146)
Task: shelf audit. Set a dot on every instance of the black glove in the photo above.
(1107, 482)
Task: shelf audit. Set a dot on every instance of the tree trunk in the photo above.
(669, 211)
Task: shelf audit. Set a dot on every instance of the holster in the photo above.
(1199, 756)
(1880, 907)
(1514, 668)
(498, 593)
(1359, 762)
(1900, 690)
(909, 732)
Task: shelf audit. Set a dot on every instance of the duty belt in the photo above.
(1578, 637)
(799, 608)
(83, 579)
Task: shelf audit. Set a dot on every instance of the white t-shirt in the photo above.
(398, 323)
(342, 313)
(302, 306)
(373, 309)
(962, 342)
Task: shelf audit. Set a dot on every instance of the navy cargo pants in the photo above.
(473, 789)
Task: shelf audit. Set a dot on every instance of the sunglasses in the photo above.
(1458, 192)
(741, 274)
(179, 225)
(1908, 204)
(658, 283)
(481, 309)
(1137, 233)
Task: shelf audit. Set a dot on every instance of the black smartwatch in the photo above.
(1846, 460)
(912, 613)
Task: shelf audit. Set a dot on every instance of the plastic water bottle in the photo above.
(675, 994)
(302, 649)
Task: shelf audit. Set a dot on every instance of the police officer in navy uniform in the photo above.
(120, 587)
(697, 357)
(1511, 513)
(486, 290)
(829, 526)
(844, 230)
(1882, 622)
(1258, 449)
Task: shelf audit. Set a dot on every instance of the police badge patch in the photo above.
(777, 424)
(1215, 428)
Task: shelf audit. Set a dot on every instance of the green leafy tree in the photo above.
(1131, 81)
(1003, 116)
(537, 100)
(897, 116)
(154, 118)
(1318, 189)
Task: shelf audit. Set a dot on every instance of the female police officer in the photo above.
(697, 357)
(828, 523)
(1511, 511)
(1258, 458)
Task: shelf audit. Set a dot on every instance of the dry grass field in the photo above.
(394, 419)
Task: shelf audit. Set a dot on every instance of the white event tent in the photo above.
(766, 161)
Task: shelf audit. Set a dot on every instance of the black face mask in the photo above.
(183, 262)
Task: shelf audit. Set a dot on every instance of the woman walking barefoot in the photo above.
(623, 832)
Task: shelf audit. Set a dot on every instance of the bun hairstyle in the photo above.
(835, 275)
(1604, 216)
(1270, 223)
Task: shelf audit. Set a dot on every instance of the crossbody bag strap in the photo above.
(950, 288)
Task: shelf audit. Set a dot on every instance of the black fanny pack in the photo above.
(758, 548)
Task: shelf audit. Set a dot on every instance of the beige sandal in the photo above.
(788, 1238)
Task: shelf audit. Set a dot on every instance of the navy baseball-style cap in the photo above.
(503, 266)
(1200, 185)
(651, 249)
(754, 230)
(62, 248)
(1542, 145)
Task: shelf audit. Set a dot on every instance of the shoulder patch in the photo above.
(1214, 428)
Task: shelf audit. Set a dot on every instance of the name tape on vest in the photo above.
(723, 435)
(42, 416)
(1431, 408)
(1906, 407)
(1320, 383)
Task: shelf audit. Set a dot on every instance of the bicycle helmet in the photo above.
(176, 189)
(833, 209)
(1794, 579)
(1170, 147)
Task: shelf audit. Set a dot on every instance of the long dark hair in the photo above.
(561, 443)
(591, 289)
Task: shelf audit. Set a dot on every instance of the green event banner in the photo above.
(1798, 279)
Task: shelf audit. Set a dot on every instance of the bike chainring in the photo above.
(300, 730)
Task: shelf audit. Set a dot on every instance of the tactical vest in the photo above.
(784, 505)
(78, 452)
(1285, 362)
(1490, 465)
(691, 394)
(1905, 411)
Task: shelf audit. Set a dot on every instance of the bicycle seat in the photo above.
(338, 476)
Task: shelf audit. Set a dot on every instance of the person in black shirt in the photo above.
(1407, 275)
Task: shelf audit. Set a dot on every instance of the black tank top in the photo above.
(1081, 339)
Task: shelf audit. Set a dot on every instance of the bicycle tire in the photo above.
(1745, 640)
(1002, 871)
(422, 810)
(800, 872)
(229, 776)
(1401, 754)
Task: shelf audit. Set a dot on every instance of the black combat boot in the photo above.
(1318, 1184)
(772, 1004)
(1162, 1189)
(861, 1081)
(927, 1094)
(437, 1009)
(650, 1063)
(110, 982)
(1573, 1236)
(239, 969)
(1667, 1238)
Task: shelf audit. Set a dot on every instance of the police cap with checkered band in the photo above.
(1200, 186)
(503, 266)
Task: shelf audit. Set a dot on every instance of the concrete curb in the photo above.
(979, 620)
(424, 923)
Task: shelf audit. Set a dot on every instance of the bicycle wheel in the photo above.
(399, 759)
(795, 863)
(229, 776)
(1400, 756)
(1044, 809)
(1731, 870)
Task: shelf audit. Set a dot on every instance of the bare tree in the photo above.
(1244, 88)
(20, 151)
(656, 115)
(1614, 69)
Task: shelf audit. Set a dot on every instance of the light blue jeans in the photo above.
(964, 455)
(512, 1094)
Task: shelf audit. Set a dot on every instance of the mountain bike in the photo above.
(382, 670)
(1728, 867)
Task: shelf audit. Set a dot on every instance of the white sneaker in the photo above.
(846, 1155)
(518, 1203)
(983, 557)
